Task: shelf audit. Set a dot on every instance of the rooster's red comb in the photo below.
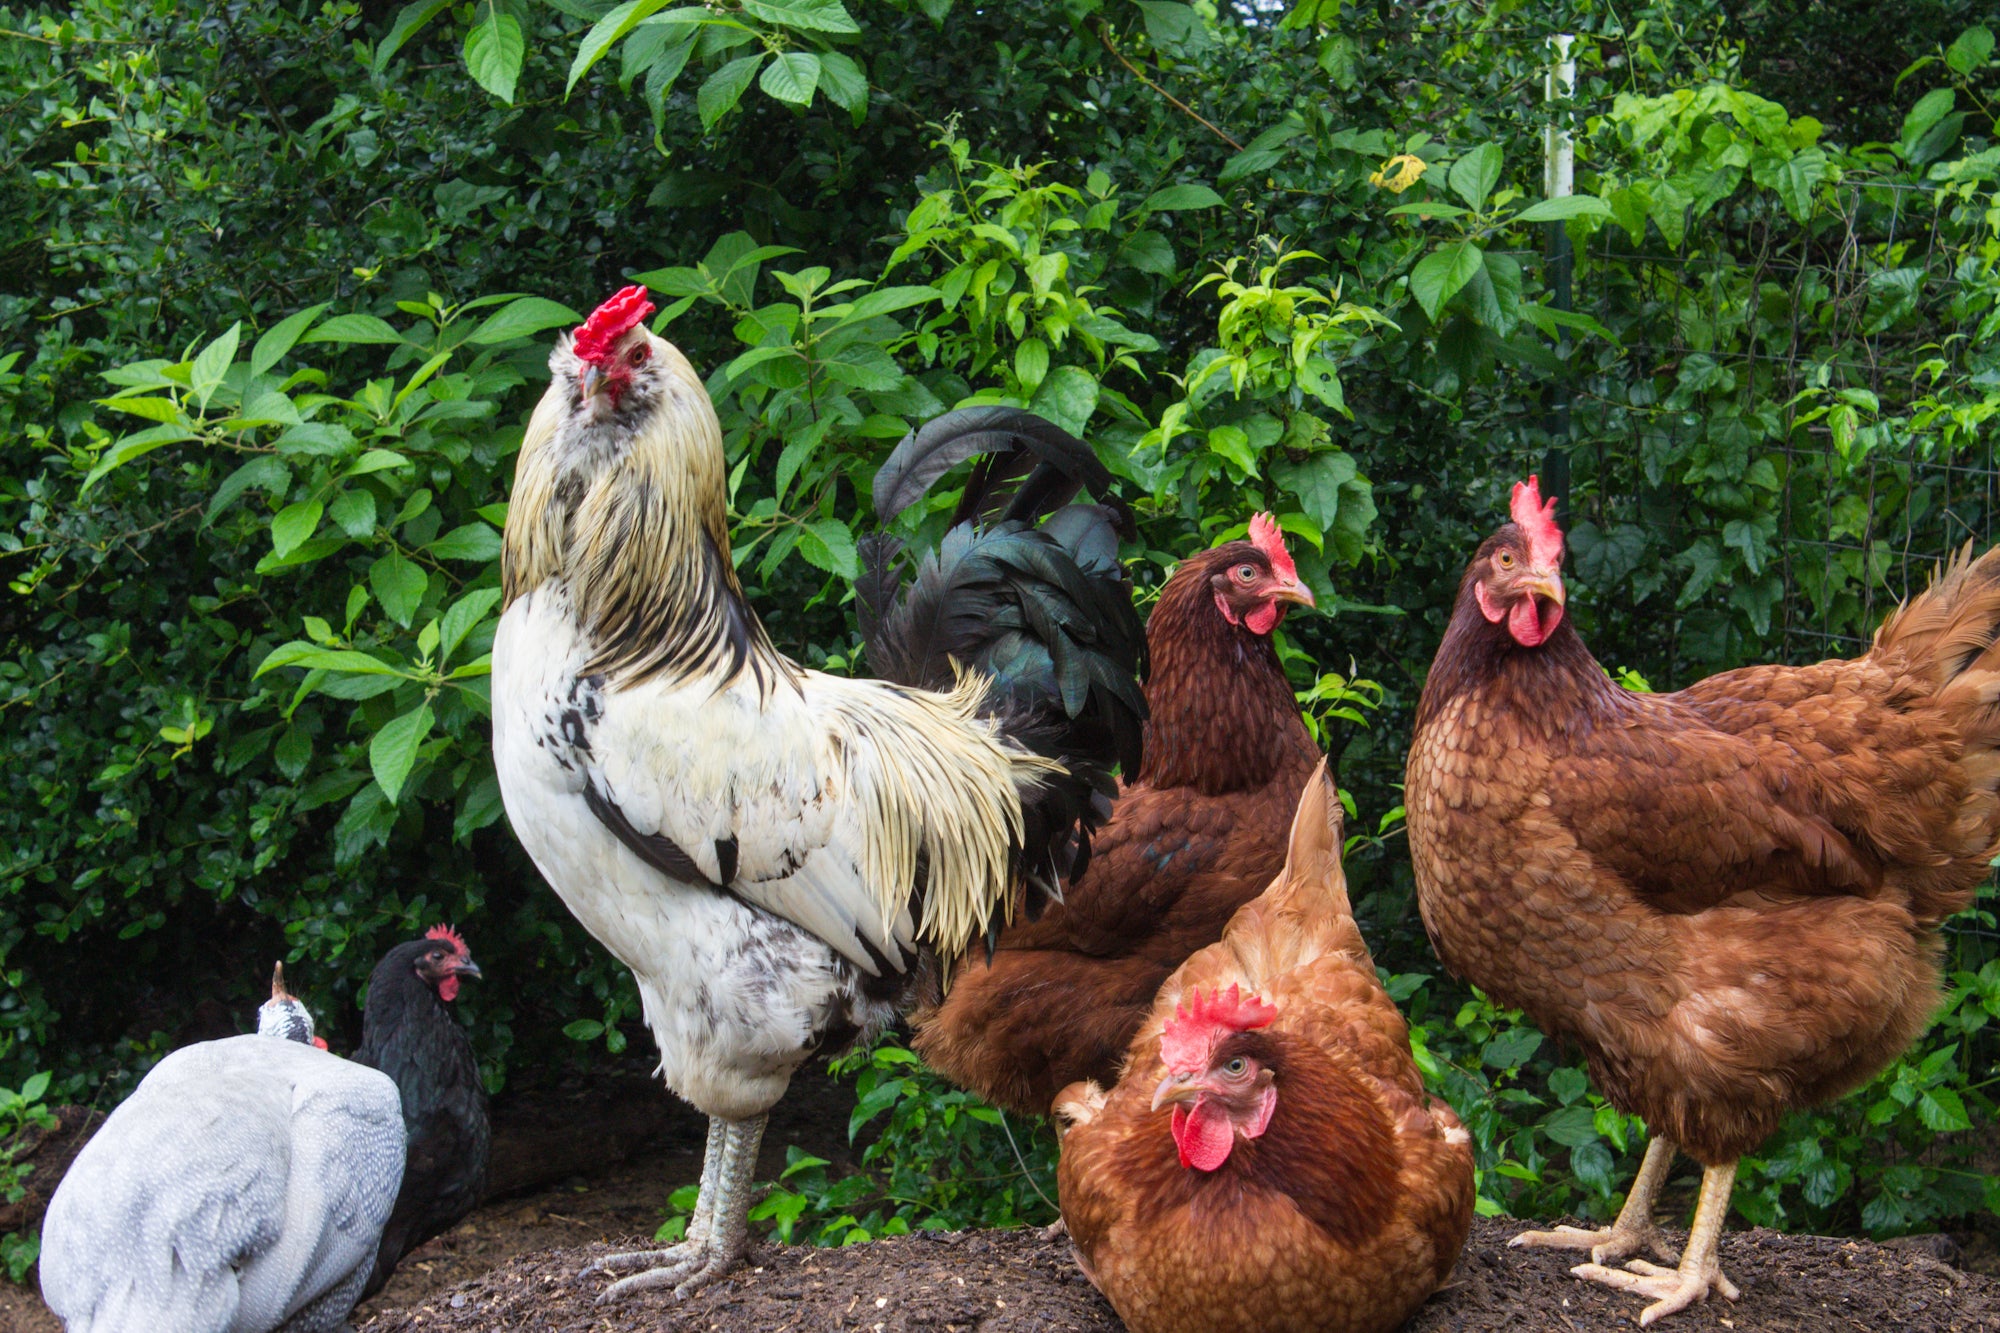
(610, 322)
(449, 936)
(1538, 519)
(1265, 536)
(1201, 1021)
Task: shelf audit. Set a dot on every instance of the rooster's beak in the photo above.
(592, 378)
(278, 991)
(1176, 1089)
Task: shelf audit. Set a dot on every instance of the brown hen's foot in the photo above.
(1671, 1289)
(1633, 1232)
(1607, 1245)
(1056, 1230)
(1700, 1272)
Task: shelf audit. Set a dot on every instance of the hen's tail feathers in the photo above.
(1950, 636)
(1026, 588)
(1306, 912)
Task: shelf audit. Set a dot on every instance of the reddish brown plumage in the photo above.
(1349, 1207)
(1727, 896)
(1194, 836)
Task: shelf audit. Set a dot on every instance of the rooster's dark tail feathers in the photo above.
(1025, 587)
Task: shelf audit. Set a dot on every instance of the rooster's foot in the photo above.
(1671, 1289)
(625, 1263)
(685, 1268)
(1607, 1245)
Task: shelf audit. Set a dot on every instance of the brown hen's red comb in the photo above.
(610, 322)
(1200, 1021)
(1538, 520)
(449, 936)
(1266, 537)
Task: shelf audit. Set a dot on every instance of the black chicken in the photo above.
(408, 1034)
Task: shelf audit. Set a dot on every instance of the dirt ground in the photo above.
(512, 1268)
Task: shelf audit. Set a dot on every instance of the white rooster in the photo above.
(771, 850)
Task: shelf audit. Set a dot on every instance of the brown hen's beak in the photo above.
(1176, 1089)
(1298, 594)
(1547, 584)
(592, 379)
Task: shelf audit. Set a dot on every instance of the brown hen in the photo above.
(1194, 836)
(1729, 896)
(1303, 1179)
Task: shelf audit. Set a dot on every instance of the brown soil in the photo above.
(512, 1268)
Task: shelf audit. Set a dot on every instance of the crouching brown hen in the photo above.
(1728, 896)
(1303, 1180)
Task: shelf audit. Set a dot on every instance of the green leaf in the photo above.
(1943, 1111)
(313, 657)
(1798, 178)
(1321, 378)
(376, 460)
(1568, 1084)
(1563, 208)
(1149, 252)
(604, 34)
(1316, 481)
(829, 545)
(805, 15)
(1429, 208)
(1438, 278)
(1572, 1126)
(464, 615)
(278, 340)
(470, 541)
(887, 300)
(522, 319)
(1929, 110)
(723, 89)
(393, 752)
(213, 363)
(1068, 396)
(353, 329)
(583, 1029)
(844, 83)
(1178, 198)
(791, 77)
(354, 512)
(494, 50)
(131, 447)
(408, 22)
(1474, 175)
(1971, 51)
(295, 523)
(266, 473)
(399, 585)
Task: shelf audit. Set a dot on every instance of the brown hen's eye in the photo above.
(1235, 1067)
(639, 354)
(1246, 573)
(1506, 560)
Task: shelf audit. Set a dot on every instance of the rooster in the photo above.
(1199, 830)
(1728, 897)
(1303, 1179)
(776, 853)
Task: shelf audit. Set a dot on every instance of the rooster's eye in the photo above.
(639, 354)
(1246, 573)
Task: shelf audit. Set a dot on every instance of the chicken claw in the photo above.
(1634, 1230)
(719, 1231)
(1672, 1289)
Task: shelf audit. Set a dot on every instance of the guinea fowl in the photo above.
(777, 853)
(409, 1034)
(241, 1188)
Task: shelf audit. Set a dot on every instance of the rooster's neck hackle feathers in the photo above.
(628, 508)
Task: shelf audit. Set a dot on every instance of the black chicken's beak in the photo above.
(465, 967)
(592, 379)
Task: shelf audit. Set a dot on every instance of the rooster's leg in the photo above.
(728, 1178)
(1674, 1289)
(1634, 1230)
(693, 1249)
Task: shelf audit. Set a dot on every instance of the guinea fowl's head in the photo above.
(438, 961)
(1254, 580)
(1516, 578)
(1219, 1076)
(284, 1015)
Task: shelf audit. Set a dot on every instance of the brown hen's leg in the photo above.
(1674, 1289)
(1634, 1230)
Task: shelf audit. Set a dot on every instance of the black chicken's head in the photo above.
(1516, 578)
(1254, 580)
(439, 959)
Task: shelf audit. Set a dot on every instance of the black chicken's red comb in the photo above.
(449, 936)
(610, 322)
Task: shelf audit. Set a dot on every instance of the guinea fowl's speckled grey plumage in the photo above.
(240, 1189)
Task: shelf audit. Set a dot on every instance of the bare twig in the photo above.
(1104, 35)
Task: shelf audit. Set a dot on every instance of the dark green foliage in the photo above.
(279, 282)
